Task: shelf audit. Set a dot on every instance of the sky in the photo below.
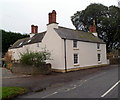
(19, 15)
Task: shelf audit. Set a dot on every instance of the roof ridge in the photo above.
(42, 32)
(24, 38)
(73, 29)
(21, 39)
(66, 28)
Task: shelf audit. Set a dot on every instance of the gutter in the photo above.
(65, 55)
(87, 41)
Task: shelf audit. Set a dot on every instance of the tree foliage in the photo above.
(8, 38)
(107, 21)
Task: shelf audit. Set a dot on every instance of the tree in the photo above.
(107, 21)
(8, 38)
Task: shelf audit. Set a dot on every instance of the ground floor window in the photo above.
(99, 57)
(75, 58)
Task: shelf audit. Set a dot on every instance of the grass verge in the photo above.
(10, 92)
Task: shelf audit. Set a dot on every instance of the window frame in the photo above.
(75, 44)
(99, 57)
(76, 59)
(98, 46)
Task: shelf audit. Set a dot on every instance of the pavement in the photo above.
(36, 83)
(7, 74)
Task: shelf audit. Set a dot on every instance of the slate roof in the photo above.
(64, 33)
(70, 34)
(25, 41)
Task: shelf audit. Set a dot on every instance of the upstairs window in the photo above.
(98, 46)
(75, 44)
(75, 58)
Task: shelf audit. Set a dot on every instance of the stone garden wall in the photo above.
(27, 69)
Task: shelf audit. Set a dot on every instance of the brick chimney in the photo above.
(34, 29)
(93, 28)
(52, 17)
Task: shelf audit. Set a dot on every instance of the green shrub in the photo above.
(34, 58)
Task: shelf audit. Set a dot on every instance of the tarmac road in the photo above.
(98, 85)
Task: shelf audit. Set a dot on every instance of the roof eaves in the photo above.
(84, 40)
(18, 42)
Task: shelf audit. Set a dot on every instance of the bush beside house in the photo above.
(30, 63)
(7, 60)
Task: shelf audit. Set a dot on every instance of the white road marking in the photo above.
(74, 86)
(67, 90)
(110, 89)
(64, 89)
(49, 95)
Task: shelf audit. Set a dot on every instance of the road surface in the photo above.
(98, 85)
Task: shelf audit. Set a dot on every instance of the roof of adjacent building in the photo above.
(64, 33)
(25, 41)
(70, 34)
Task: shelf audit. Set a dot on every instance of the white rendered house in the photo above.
(70, 49)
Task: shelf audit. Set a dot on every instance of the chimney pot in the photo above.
(50, 18)
(53, 16)
(54, 11)
(36, 29)
(32, 29)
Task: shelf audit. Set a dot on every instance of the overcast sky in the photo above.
(18, 15)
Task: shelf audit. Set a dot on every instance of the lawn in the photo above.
(10, 92)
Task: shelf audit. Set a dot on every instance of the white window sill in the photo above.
(75, 48)
(99, 62)
(98, 49)
(76, 65)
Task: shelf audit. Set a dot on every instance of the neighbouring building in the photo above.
(70, 49)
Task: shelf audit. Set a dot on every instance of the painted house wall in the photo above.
(87, 54)
(16, 53)
(34, 47)
(54, 44)
(103, 53)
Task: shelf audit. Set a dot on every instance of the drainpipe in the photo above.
(65, 55)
